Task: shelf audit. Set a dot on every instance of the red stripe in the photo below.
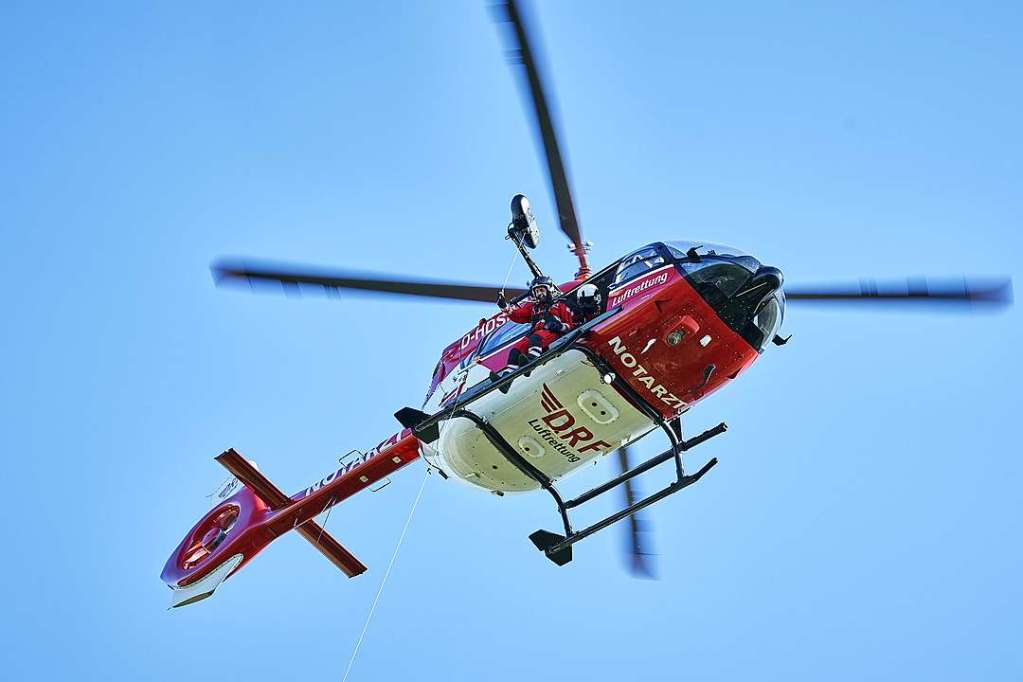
(547, 393)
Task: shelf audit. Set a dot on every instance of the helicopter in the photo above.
(653, 333)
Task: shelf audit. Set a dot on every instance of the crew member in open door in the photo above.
(549, 316)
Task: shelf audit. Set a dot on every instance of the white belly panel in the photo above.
(560, 417)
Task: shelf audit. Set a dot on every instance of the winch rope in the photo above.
(387, 574)
(330, 508)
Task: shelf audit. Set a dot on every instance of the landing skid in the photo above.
(558, 548)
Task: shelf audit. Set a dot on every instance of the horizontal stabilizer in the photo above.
(276, 499)
(245, 472)
(331, 548)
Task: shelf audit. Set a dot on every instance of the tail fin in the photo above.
(240, 526)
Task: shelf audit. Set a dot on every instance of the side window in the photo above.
(504, 334)
(636, 264)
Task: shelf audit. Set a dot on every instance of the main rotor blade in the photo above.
(961, 294)
(226, 272)
(523, 49)
(640, 561)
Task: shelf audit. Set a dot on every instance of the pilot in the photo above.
(587, 303)
(550, 319)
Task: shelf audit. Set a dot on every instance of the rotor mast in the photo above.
(580, 251)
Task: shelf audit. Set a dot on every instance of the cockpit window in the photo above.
(724, 276)
(636, 264)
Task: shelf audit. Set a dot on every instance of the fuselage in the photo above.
(675, 324)
(680, 324)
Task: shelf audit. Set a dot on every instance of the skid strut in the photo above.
(519, 462)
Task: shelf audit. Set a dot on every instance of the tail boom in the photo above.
(239, 527)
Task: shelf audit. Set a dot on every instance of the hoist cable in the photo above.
(387, 574)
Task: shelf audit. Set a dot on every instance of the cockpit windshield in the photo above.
(680, 250)
(722, 277)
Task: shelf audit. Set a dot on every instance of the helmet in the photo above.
(543, 286)
(588, 298)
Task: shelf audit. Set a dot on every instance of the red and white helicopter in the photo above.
(652, 333)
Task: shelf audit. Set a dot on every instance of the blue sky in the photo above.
(864, 521)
